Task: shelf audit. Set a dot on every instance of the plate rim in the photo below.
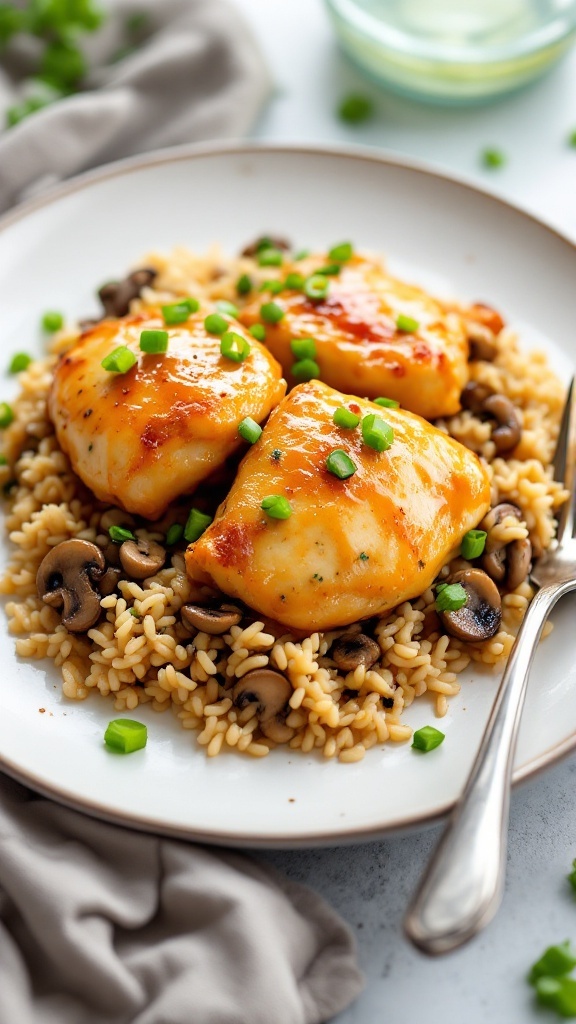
(192, 151)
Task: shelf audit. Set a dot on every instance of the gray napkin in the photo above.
(195, 75)
(103, 925)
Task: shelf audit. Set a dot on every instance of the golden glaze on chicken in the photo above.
(359, 347)
(141, 438)
(351, 548)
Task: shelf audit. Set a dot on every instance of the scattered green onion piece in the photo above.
(227, 308)
(3, 460)
(340, 464)
(572, 876)
(196, 523)
(555, 960)
(473, 544)
(271, 312)
(273, 286)
(233, 346)
(277, 506)
(294, 281)
(270, 258)
(492, 158)
(571, 140)
(450, 597)
(387, 403)
(154, 342)
(125, 736)
(215, 324)
(174, 533)
(427, 738)
(355, 108)
(558, 994)
(301, 254)
(21, 361)
(264, 243)
(376, 433)
(343, 417)
(52, 321)
(303, 348)
(249, 430)
(406, 323)
(316, 287)
(6, 415)
(330, 270)
(258, 331)
(341, 252)
(119, 534)
(244, 285)
(120, 360)
(178, 312)
(305, 369)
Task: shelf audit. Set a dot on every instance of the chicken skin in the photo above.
(360, 347)
(353, 547)
(141, 438)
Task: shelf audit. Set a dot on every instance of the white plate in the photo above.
(442, 232)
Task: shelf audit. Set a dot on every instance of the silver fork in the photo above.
(462, 886)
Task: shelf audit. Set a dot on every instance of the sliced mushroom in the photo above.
(508, 564)
(518, 561)
(268, 241)
(354, 649)
(488, 317)
(496, 515)
(116, 296)
(109, 581)
(142, 558)
(474, 395)
(214, 621)
(480, 617)
(270, 691)
(482, 343)
(508, 432)
(67, 578)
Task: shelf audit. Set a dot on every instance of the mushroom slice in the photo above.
(66, 579)
(480, 617)
(116, 296)
(142, 558)
(109, 581)
(214, 621)
(508, 432)
(270, 691)
(519, 558)
(353, 650)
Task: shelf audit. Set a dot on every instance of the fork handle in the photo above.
(462, 886)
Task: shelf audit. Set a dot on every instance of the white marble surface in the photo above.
(370, 884)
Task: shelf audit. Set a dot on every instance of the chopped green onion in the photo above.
(330, 270)
(228, 308)
(52, 322)
(294, 281)
(355, 108)
(233, 346)
(450, 597)
(196, 523)
(119, 534)
(492, 158)
(271, 312)
(305, 369)
(341, 252)
(387, 403)
(554, 961)
(258, 331)
(558, 994)
(120, 360)
(215, 324)
(244, 284)
(6, 415)
(473, 544)
(19, 362)
(301, 254)
(125, 736)
(377, 433)
(174, 533)
(571, 140)
(276, 506)
(273, 286)
(3, 460)
(340, 464)
(427, 738)
(316, 287)
(249, 430)
(270, 258)
(178, 312)
(343, 417)
(572, 876)
(406, 323)
(154, 342)
(303, 348)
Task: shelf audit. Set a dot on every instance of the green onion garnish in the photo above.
(154, 342)
(558, 994)
(571, 140)
(174, 533)
(301, 254)
(249, 430)
(343, 417)
(294, 281)
(554, 961)
(377, 433)
(125, 736)
(427, 738)
(277, 506)
(303, 348)
(572, 876)
(233, 346)
(271, 312)
(492, 158)
(341, 252)
(273, 286)
(340, 464)
(215, 324)
(6, 415)
(387, 403)
(3, 460)
(406, 323)
(473, 544)
(19, 362)
(179, 312)
(227, 308)
(355, 108)
(119, 361)
(270, 258)
(258, 331)
(52, 322)
(244, 284)
(119, 534)
(450, 597)
(330, 270)
(196, 523)
(316, 287)
(305, 369)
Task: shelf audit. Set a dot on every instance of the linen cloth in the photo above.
(100, 924)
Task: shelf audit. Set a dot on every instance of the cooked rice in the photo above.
(141, 652)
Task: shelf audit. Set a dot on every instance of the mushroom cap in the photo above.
(142, 558)
(354, 649)
(214, 621)
(509, 431)
(266, 688)
(480, 617)
(66, 579)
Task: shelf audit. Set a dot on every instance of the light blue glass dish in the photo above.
(454, 51)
